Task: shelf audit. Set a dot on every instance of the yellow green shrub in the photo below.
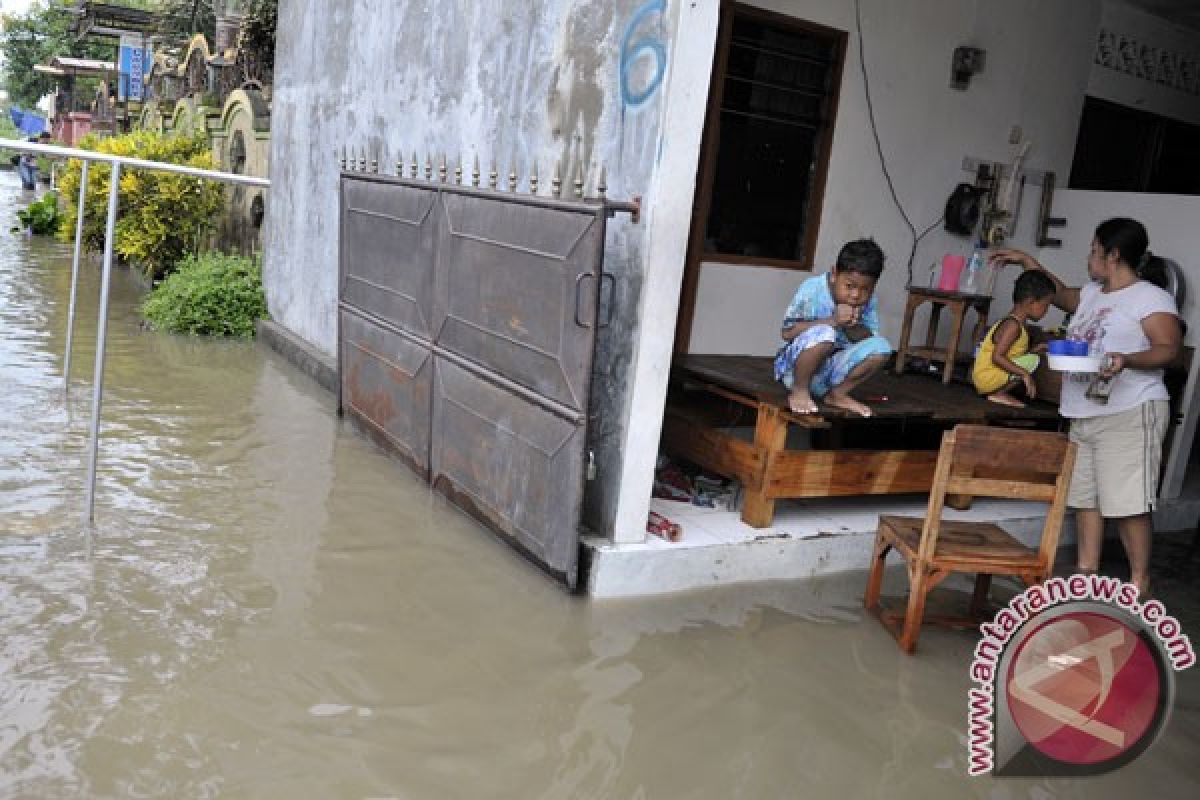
(162, 216)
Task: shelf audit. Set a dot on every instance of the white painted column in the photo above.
(668, 224)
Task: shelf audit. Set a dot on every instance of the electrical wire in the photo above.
(862, 63)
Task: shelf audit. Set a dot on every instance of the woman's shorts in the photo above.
(1119, 459)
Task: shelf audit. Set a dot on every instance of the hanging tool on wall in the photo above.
(1045, 221)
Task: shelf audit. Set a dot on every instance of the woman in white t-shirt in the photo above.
(1136, 324)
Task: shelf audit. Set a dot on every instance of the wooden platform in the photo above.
(697, 422)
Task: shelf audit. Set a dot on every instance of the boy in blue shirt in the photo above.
(831, 333)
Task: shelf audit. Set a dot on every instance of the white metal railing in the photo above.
(110, 226)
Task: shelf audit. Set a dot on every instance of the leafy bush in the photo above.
(162, 215)
(211, 294)
(42, 217)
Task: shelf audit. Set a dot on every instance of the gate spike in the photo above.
(362, 160)
(512, 178)
(442, 169)
(342, 161)
(556, 180)
(493, 176)
(375, 163)
(578, 184)
(533, 179)
(428, 168)
(458, 170)
(475, 171)
(413, 166)
(400, 165)
(602, 186)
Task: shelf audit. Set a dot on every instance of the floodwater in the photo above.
(273, 608)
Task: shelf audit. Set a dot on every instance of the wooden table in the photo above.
(958, 304)
(710, 395)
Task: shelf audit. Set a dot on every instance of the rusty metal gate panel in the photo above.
(388, 238)
(466, 331)
(515, 291)
(510, 462)
(386, 382)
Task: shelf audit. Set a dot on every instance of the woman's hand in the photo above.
(1112, 364)
(1011, 255)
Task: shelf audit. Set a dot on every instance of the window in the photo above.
(1122, 149)
(775, 95)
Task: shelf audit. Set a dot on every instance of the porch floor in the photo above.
(808, 538)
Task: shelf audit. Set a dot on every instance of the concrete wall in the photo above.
(513, 82)
(1147, 63)
(1038, 64)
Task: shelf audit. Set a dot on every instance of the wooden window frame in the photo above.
(710, 146)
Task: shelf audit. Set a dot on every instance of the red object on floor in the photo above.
(661, 526)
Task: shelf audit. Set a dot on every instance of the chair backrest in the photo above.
(982, 461)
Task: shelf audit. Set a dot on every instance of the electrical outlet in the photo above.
(1014, 134)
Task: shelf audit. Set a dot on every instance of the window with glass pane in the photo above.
(778, 89)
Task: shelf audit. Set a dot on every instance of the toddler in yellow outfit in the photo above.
(1004, 362)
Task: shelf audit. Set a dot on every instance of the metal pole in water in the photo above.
(83, 182)
(110, 230)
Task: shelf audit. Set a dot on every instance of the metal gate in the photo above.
(466, 325)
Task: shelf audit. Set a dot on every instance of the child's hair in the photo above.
(862, 256)
(1033, 285)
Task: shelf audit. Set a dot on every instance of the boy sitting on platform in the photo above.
(831, 331)
(1004, 361)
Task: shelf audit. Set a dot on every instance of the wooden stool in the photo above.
(958, 303)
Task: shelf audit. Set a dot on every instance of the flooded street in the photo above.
(273, 608)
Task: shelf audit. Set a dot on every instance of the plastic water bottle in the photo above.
(972, 279)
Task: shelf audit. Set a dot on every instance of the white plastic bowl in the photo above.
(1074, 363)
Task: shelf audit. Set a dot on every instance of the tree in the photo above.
(258, 30)
(188, 17)
(32, 38)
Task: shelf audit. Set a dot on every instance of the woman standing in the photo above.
(1136, 324)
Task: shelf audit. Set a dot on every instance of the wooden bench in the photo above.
(711, 394)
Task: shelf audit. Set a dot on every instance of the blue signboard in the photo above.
(133, 65)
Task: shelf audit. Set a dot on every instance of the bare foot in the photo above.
(1005, 399)
(848, 403)
(801, 402)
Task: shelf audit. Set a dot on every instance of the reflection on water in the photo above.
(275, 609)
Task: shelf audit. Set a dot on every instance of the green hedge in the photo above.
(162, 215)
(212, 294)
(42, 217)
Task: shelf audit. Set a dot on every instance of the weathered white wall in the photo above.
(1170, 219)
(513, 83)
(1037, 67)
(1129, 68)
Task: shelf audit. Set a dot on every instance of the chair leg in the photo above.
(983, 584)
(918, 588)
(875, 578)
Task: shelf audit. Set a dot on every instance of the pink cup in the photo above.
(952, 267)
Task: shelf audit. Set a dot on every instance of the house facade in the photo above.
(628, 93)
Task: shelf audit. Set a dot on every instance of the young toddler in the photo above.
(1004, 362)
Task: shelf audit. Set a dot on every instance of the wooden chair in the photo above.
(983, 462)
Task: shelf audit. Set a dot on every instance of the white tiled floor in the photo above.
(800, 519)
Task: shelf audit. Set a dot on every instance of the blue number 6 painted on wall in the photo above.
(634, 49)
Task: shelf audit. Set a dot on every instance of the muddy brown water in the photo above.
(273, 608)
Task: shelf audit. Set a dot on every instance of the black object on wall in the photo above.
(1122, 149)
